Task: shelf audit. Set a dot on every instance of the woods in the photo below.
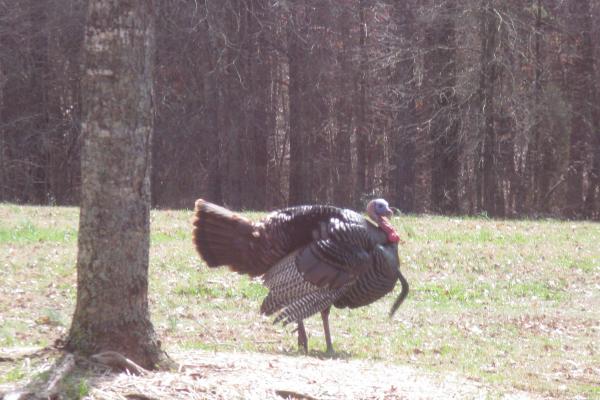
(445, 106)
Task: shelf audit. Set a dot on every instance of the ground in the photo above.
(226, 375)
(497, 308)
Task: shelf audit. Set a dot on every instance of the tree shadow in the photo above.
(319, 354)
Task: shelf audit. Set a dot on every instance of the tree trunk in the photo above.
(112, 263)
(214, 191)
(300, 134)
(362, 187)
(533, 182)
(403, 135)
(592, 200)
(580, 75)
(342, 156)
(593, 194)
(39, 99)
(318, 86)
(4, 176)
(487, 83)
(440, 73)
(259, 121)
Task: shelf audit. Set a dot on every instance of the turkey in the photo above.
(309, 257)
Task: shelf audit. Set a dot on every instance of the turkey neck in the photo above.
(392, 235)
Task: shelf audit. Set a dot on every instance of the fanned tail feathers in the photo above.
(223, 237)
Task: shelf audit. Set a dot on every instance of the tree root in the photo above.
(118, 362)
(62, 369)
(50, 388)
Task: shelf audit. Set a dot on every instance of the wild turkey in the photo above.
(310, 257)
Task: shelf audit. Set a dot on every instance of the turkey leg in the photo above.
(302, 339)
(325, 317)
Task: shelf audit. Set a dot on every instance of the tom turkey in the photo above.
(310, 257)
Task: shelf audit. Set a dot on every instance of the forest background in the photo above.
(486, 107)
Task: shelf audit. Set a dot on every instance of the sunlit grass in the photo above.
(26, 231)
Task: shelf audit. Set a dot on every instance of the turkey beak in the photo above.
(387, 213)
(401, 296)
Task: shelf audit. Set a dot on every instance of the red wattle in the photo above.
(392, 235)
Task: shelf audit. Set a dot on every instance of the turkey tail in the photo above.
(223, 237)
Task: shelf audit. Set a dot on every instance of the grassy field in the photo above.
(512, 304)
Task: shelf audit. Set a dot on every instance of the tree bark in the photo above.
(112, 262)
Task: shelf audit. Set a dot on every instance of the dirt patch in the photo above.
(205, 375)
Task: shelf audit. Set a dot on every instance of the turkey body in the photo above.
(310, 258)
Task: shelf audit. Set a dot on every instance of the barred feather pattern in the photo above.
(307, 305)
(285, 283)
(376, 282)
(295, 227)
(290, 293)
(297, 298)
(354, 230)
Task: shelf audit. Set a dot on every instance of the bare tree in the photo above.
(342, 156)
(441, 99)
(403, 92)
(581, 78)
(487, 84)
(363, 142)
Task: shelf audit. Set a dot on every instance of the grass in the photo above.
(12, 375)
(27, 232)
(512, 304)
